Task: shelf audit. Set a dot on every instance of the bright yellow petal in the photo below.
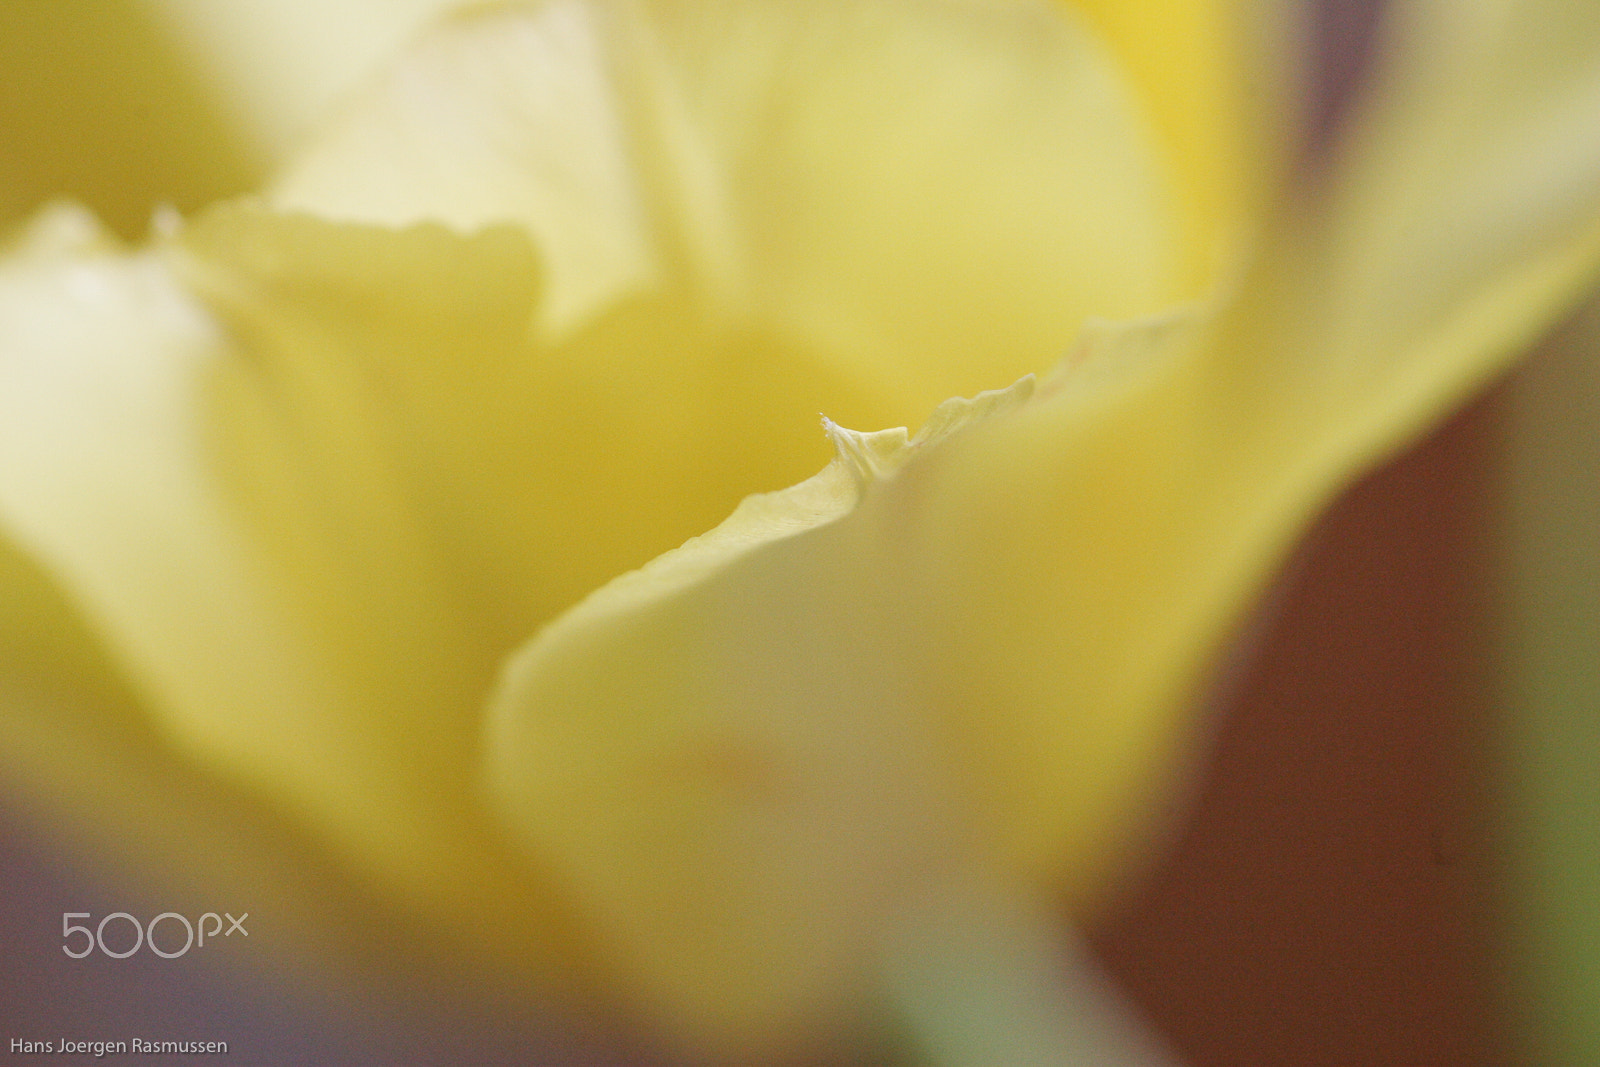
(931, 197)
(1213, 76)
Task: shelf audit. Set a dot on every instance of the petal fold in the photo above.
(320, 668)
(819, 170)
(992, 658)
(277, 68)
(1217, 78)
(781, 788)
(1464, 205)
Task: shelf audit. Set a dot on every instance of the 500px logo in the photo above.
(145, 936)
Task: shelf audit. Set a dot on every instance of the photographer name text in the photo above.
(133, 1046)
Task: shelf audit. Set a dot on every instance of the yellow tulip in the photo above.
(343, 520)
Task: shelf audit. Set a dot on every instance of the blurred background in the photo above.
(1392, 859)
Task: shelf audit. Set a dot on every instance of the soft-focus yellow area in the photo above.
(1464, 217)
(926, 199)
(88, 773)
(127, 105)
(85, 770)
(100, 105)
(1028, 609)
(783, 789)
(311, 481)
(574, 278)
(46, 642)
(275, 68)
(312, 654)
(1167, 564)
(402, 439)
(1209, 100)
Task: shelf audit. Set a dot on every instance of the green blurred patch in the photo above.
(1554, 686)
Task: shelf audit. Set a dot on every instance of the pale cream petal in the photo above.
(930, 196)
(278, 66)
(1177, 480)
(311, 482)
(725, 756)
(505, 114)
(307, 534)
(1469, 174)
(318, 665)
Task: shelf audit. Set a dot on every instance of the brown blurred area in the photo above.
(1332, 897)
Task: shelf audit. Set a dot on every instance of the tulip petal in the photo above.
(1171, 496)
(82, 766)
(80, 758)
(488, 439)
(322, 668)
(1215, 77)
(1464, 210)
(820, 169)
(775, 780)
(307, 482)
(743, 775)
(105, 469)
(992, 656)
(279, 66)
